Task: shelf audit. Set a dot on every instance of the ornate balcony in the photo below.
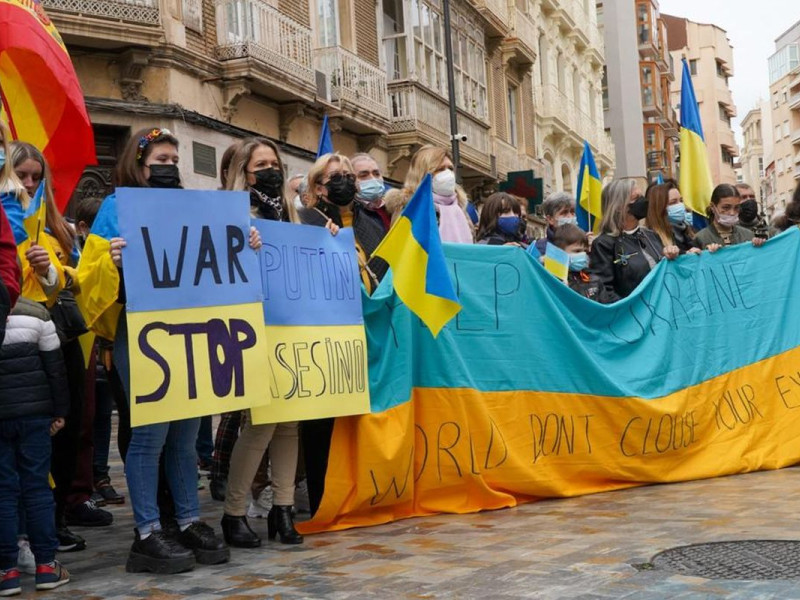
(107, 23)
(358, 87)
(257, 42)
(420, 117)
(495, 12)
(522, 40)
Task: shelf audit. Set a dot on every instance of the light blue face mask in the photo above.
(566, 221)
(578, 261)
(370, 190)
(676, 213)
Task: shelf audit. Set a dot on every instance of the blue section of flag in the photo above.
(16, 216)
(422, 215)
(325, 143)
(660, 178)
(690, 114)
(586, 172)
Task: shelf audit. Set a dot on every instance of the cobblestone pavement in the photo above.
(579, 548)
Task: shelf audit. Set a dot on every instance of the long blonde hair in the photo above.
(56, 223)
(9, 183)
(317, 172)
(614, 200)
(426, 160)
(237, 170)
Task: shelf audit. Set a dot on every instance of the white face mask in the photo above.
(444, 183)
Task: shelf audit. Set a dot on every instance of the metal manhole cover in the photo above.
(747, 559)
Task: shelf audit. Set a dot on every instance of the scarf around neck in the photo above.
(453, 225)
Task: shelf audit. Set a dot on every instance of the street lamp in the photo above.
(455, 138)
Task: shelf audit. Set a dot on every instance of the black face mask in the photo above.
(638, 208)
(164, 176)
(341, 189)
(748, 211)
(269, 182)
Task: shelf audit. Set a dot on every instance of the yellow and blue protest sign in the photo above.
(314, 326)
(194, 310)
(533, 391)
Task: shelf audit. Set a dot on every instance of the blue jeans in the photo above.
(24, 465)
(180, 465)
(176, 439)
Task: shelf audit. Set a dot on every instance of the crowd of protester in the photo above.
(57, 393)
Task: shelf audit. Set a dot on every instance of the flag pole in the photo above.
(7, 110)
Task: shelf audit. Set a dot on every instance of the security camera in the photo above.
(461, 137)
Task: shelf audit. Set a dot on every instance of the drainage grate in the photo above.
(747, 559)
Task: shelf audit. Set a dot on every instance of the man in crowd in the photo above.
(371, 189)
(748, 212)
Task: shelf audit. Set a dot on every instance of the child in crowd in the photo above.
(34, 399)
(501, 221)
(573, 240)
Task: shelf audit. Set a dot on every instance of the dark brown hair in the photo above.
(495, 205)
(791, 214)
(86, 209)
(723, 190)
(568, 234)
(55, 222)
(129, 172)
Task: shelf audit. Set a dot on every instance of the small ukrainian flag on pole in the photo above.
(589, 208)
(413, 250)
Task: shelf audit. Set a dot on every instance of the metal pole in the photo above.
(451, 86)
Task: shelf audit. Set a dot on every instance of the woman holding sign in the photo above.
(257, 167)
(150, 160)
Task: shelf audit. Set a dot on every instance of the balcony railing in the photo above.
(795, 137)
(254, 28)
(414, 109)
(794, 101)
(495, 11)
(143, 12)
(556, 105)
(524, 30)
(353, 80)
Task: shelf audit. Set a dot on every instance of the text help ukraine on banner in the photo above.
(532, 391)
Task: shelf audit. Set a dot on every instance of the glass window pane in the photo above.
(415, 18)
(437, 32)
(393, 17)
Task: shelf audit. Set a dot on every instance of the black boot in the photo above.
(237, 532)
(218, 487)
(158, 553)
(279, 522)
(208, 548)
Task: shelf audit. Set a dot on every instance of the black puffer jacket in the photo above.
(33, 378)
(621, 262)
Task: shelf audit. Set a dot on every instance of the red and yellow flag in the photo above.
(41, 99)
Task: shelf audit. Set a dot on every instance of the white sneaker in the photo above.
(301, 503)
(25, 561)
(261, 507)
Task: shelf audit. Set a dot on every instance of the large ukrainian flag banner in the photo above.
(533, 391)
(589, 208)
(695, 178)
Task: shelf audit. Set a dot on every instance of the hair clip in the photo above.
(146, 140)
